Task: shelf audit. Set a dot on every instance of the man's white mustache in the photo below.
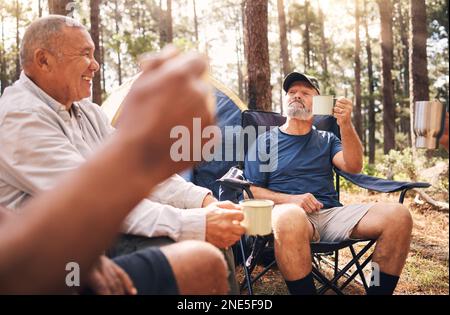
(297, 101)
(298, 106)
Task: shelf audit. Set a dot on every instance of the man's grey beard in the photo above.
(299, 112)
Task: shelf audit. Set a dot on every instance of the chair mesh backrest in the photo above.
(257, 118)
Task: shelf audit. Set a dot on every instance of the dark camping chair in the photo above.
(233, 184)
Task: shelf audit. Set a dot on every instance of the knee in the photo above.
(198, 267)
(404, 217)
(211, 264)
(290, 221)
(400, 219)
(213, 258)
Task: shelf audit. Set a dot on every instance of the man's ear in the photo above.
(42, 59)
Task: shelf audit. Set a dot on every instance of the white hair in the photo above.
(44, 33)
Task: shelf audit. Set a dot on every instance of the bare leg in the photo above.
(199, 267)
(391, 224)
(292, 233)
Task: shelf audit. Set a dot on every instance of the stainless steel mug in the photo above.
(428, 123)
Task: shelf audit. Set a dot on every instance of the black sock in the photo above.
(303, 286)
(386, 286)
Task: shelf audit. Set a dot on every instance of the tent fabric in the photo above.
(112, 105)
(228, 114)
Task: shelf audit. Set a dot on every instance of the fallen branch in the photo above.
(442, 206)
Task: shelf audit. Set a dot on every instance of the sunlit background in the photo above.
(220, 37)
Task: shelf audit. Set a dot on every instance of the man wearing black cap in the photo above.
(303, 178)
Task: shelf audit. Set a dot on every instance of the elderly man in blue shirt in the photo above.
(310, 210)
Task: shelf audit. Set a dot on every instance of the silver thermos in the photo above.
(428, 123)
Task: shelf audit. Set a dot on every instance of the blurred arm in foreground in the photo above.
(79, 218)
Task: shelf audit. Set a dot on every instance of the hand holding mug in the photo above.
(343, 111)
(223, 227)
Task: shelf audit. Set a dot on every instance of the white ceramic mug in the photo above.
(323, 104)
(257, 216)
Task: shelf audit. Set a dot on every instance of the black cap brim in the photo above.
(297, 76)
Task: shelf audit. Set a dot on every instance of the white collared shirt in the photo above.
(40, 141)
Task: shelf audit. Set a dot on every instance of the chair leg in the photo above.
(317, 260)
(359, 269)
(326, 284)
(336, 262)
(262, 273)
(244, 265)
(350, 278)
(258, 249)
(352, 262)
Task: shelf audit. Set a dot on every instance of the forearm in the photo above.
(352, 149)
(209, 199)
(153, 219)
(73, 223)
(264, 193)
(179, 193)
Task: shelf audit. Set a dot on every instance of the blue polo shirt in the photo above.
(298, 164)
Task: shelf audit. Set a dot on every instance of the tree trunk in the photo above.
(139, 23)
(239, 73)
(239, 62)
(102, 58)
(195, 23)
(39, 8)
(162, 26)
(169, 22)
(385, 7)
(364, 135)
(281, 91)
(283, 38)
(119, 59)
(3, 81)
(405, 49)
(165, 24)
(306, 41)
(404, 120)
(289, 39)
(58, 6)
(95, 34)
(323, 42)
(419, 84)
(17, 16)
(357, 109)
(259, 89)
(371, 109)
(245, 44)
(244, 28)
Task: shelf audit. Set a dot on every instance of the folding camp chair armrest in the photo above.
(238, 184)
(234, 180)
(380, 184)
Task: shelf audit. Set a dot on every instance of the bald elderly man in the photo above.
(48, 126)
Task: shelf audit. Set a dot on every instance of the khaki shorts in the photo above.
(336, 224)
